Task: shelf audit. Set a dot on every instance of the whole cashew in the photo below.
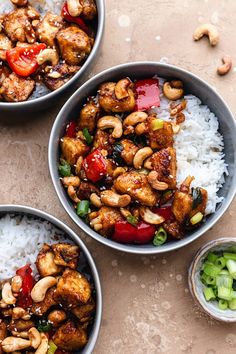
(227, 65)
(148, 164)
(71, 181)
(125, 212)
(135, 118)
(140, 156)
(119, 171)
(121, 89)
(16, 284)
(43, 347)
(111, 122)
(23, 334)
(11, 344)
(71, 191)
(74, 7)
(78, 165)
(19, 2)
(155, 184)
(208, 30)
(34, 337)
(95, 200)
(176, 109)
(39, 290)
(48, 54)
(7, 295)
(19, 312)
(113, 199)
(173, 90)
(56, 317)
(150, 217)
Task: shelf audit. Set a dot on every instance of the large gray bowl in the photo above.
(192, 85)
(48, 100)
(25, 210)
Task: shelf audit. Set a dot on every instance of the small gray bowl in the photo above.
(51, 98)
(193, 85)
(25, 210)
(196, 287)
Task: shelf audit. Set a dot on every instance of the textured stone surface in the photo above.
(147, 306)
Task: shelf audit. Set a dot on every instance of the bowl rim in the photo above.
(192, 270)
(52, 94)
(54, 176)
(12, 208)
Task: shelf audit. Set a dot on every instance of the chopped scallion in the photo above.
(220, 262)
(211, 269)
(232, 304)
(223, 304)
(160, 237)
(231, 256)
(157, 124)
(133, 220)
(88, 137)
(231, 265)
(64, 168)
(224, 293)
(209, 294)
(52, 347)
(83, 208)
(224, 280)
(212, 257)
(195, 219)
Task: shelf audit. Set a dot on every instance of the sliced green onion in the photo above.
(231, 265)
(52, 347)
(160, 237)
(220, 262)
(232, 304)
(83, 208)
(196, 218)
(224, 293)
(87, 136)
(211, 269)
(64, 168)
(157, 124)
(209, 294)
(231, 256)
(44, 326)
(233, 294)
(224, 271)
(224, 280)
(223, 304)
(208, 279)
(133, 220)
(212, 257)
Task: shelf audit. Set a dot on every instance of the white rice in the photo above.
(199, 148)
(21, 238)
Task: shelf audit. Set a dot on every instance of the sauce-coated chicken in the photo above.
(48, 28)
(16, 89)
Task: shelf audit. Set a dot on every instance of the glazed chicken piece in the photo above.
(201, 207)
(88, 116)
(137, 186)
(16, 89)
(86, 189)
(70, 337)
(128, 152)
(45, 262)
(66, 255)
(72, 149)
(160, 138)
(103, 140)
(4, 73)
(72, 289)
(89, 9)
(84, 312)
(40, 308)
(48, 28)
(104, 220)
(117, 97)
(74, 44)
(59, 75)
(5, 44)
(3, 333)
(174, 229)
(18, 24)
(164, 163)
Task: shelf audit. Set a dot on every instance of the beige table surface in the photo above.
(147, 305)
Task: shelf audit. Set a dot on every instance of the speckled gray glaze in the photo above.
(50, 98)
(193, 85)
(196, 287)
(24, 210)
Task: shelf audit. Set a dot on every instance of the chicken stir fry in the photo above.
(45, 51)
(118, 164)
(51, 312)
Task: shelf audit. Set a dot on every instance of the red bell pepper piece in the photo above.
(23, 60)
(147, 94)
(127, 233)
(95, 166)
(66, 15)
(71, 129)
(24, 299)
(165, 212)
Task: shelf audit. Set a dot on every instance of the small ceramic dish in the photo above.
(196, 286)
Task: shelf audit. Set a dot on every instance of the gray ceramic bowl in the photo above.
(196, 287)
(24, 210)
(47, 100)
(192, 85)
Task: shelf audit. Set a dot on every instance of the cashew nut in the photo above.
(135, 118)
(39, 290)
(7, 295)
(176, 109)
(19, 312)
(56, 317)
(71, 181)
(140, 156)
(71, 191)
(140, 129)
(23, 334)
(119, 171)
(153, 180)
(148, 164)
(148, 216)
(113, 199)
(3, 305)
(95, 200)
(125, 212)
(16, 284)
(43, 347)
(227, 65)
(121, 89)
(74, 7)
(34, 337)
(208, 30)
(48, 54)
(112, 122)
(78, 165)
(11, 344)
(19, 2)
(173, 90)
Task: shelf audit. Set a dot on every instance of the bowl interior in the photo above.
(196, 286)
(193, 85)
(86, 264)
